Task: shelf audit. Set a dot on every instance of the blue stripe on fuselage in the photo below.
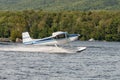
(43, 40)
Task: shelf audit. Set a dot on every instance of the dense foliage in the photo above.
(102, 25)
(55, 5)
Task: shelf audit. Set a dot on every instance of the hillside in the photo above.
(58, 5)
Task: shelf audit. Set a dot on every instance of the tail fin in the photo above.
(26, 38)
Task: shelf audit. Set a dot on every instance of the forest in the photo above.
(100, 25)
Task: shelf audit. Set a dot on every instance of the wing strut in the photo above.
(56, 45)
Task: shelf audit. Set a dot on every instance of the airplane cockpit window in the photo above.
(61, 36)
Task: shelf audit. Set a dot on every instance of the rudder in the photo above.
(26, 38)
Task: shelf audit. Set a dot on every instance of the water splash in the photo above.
(32, 48)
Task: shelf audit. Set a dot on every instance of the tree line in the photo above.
(100, 25)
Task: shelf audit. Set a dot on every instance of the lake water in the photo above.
(100, 61)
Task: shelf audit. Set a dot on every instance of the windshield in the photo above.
(61, 36)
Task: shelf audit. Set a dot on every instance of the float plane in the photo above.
(56, 39)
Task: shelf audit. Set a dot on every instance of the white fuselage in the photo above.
(56, 38)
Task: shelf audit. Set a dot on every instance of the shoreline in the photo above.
(8, 40)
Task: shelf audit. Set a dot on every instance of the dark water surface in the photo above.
(100, 61)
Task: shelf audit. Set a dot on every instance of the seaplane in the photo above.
(57, 38)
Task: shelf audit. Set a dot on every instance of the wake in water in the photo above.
(33, 48)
